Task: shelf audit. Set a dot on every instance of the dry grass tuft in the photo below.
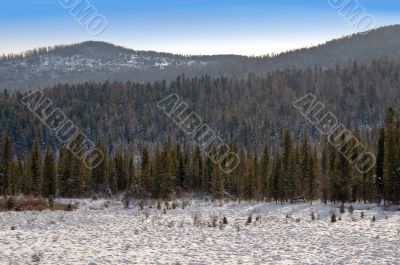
(31, 203)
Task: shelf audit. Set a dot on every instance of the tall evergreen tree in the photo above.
(344, 175)
(264, 175)
(35, 169)
(288, 180)
(379, 169)
(6, 166)
(392, 157)
(49, 175)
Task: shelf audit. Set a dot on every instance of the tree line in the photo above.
(282, 172)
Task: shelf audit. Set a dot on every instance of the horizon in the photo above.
(181, 54)
(249, 28)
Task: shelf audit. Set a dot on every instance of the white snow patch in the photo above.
(103, 232)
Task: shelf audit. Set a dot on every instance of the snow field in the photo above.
(103, 232)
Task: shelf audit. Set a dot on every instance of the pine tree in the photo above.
(98, 175)
(6, 166)
(167, 177)
(305, 167)
(392, 158)
(120, 171)
(217, 184)
(311, 177)
(249, 188)
(343, 168)
(181, 167)
(264, 175)
(64, 171)
(18, 176)
(324, 184)
(35, 169)
(379, 169)
(49, 175)
(276, 192)
(76, 184)
(288, 182)
(333, 172)
(145, 168)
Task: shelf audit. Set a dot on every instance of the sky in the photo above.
(246, 27)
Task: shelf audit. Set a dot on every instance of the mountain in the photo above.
(100, 61)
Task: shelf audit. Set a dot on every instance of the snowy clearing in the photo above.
(103, 232)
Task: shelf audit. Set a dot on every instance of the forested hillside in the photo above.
(99, 61)
(247, 111)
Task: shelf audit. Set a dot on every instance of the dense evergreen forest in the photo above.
(284, 172)
(246, 111)
(282, 159)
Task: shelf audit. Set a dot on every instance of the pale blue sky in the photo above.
(249, 27)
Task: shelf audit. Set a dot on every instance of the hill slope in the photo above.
(99, 61)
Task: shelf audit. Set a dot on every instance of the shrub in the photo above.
(50, 200)
(351, 209)
(196, 218)
(333, 218)
(141, 205)
(214, 221)
(225, 221)
(362, 215)
(373, 219)
(342, 208)
(185, 204)
(126, 203)
(31, 203)
(11, 203)
(312, 216)
(249, 219)
(37, 257)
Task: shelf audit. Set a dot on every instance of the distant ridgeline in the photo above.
(100, 61)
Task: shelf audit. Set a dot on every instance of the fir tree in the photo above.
(6, 166)
(264, 175)
(217, 184)
(49, 175)
(35, 169)
(379, 169)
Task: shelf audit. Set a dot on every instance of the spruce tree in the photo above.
(145, 168)
(35, 169)
(264, 175)
(49, 175)
(379, 169)
(288, 181)
(6, 166)
(392, 158)
(217, 184)
(324, 184)
(343, 168)
(276, 192)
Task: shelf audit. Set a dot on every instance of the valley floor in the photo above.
(104, 232)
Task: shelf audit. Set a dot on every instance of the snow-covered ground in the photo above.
(103, 232)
